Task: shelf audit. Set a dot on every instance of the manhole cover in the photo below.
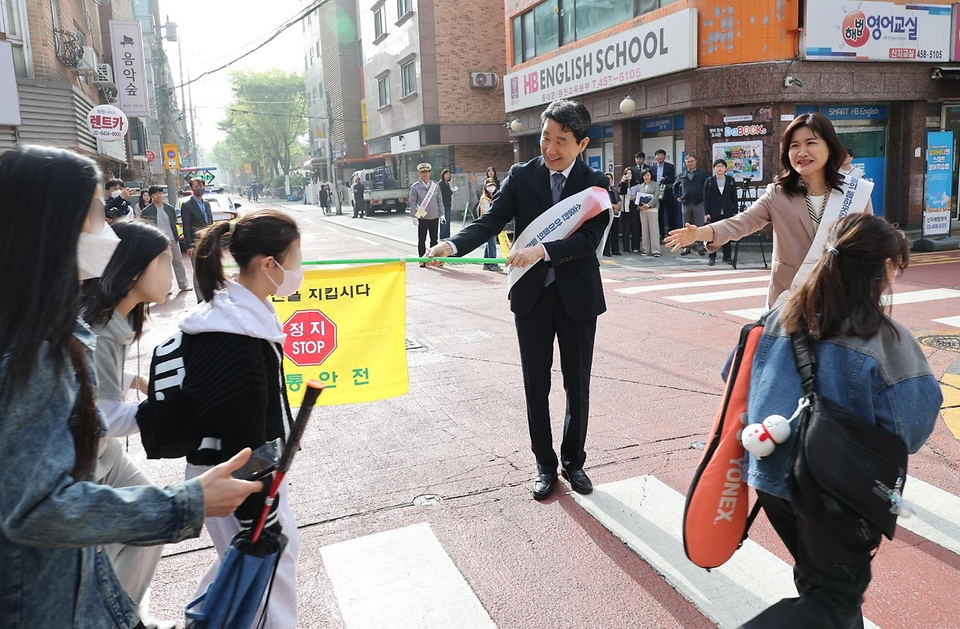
(950, 342)
(411, 344)
(427, 500)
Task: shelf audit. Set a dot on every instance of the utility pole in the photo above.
(330, 175)
(164, 97)
(193, 132)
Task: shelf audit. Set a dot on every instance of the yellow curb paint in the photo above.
(950, 386)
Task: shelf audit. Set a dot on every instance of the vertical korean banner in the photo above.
(937, 201)
(345, 327)
(129, 73)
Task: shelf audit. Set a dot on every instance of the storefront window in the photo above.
(594, 16)
(517, 40)
(546, 26)
(568, 26)
(529, 37)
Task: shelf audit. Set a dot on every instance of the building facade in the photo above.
(723, 79)
(433, 85)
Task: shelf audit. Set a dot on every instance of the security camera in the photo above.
(936, 74)
(792, 81)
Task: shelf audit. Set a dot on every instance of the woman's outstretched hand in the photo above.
(681, 237)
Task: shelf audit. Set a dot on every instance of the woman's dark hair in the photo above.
(140, 244)
(789, 179)
(444, 172)
(645, 172)
(572, 117)
(39, 302)
(148, 201)
(718, 162)
(841, 297)
(260, 233)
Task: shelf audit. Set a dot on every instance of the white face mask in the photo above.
(491, 189)
(94, 252)
(115, 194)
(291, 282)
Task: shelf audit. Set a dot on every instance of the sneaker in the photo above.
(656, 255)
(712, 262)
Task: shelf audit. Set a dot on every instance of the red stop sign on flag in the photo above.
(311, 337)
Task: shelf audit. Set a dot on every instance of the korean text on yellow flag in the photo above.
(345, 327)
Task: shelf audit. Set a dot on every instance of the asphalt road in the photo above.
(416, 511)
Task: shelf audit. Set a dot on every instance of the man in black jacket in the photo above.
(720, 202)
(195, 214)
(689, 191)
(560, 296)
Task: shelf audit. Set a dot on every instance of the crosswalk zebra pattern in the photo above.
(404, 577)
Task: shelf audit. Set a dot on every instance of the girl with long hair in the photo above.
(234, 380)
(115, 306)
(143, 202)
(803, 200)
(54, 517)
(872, 367)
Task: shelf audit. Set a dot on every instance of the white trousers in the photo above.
(282, 610)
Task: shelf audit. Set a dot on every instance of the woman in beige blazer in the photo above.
(811, 155)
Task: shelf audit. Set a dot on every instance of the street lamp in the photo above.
(628, 105)
(516, 126)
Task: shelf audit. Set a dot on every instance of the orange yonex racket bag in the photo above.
(717, 515)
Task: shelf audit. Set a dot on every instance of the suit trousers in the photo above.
(630, 224)
(650, 232)
(613, 238)
(425, 225)
(535, 333)
(832, 568)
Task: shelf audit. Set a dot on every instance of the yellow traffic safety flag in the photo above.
(504, 243)
(345, 327)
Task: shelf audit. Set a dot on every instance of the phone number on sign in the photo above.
(913, 53)
(590, 85)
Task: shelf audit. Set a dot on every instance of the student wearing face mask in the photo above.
(54, 520)
(234, 381)
(486, 198)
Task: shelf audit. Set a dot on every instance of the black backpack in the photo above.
(168, 425)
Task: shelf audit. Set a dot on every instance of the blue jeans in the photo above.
(491, 250)
(445, 227)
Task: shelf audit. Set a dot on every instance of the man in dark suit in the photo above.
(194, 214)
(720, 202)
(665, 174)
(639, 165)
(560, 295)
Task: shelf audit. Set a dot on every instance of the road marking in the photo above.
(605, 280)
(750, 314)
(401, 578)
(648, 515)
(716, 273)
(937, 516)
(719, 296)
(950, 387)
(919, 296)
(633, 290)
(954, 321)
(369, 242)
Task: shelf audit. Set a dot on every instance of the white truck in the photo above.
(383, 192)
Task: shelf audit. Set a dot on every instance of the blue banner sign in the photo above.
(937, 201)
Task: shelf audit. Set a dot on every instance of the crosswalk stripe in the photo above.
(607, 280)
(918, 296)
(633, 290)
(401, 578)
(717, 273)
(750, 314)
(719, 296)
(954, 321)
(647, 515)
(937, 516)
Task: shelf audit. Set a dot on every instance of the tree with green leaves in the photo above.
(264, 122)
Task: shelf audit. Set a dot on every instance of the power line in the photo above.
(299, 17)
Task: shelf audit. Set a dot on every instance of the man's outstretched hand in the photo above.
(443, 250)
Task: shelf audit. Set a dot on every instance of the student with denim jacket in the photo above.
(868, 364)
(54, 520)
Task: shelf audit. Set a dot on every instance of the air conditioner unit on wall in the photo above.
(104, 74)
(484, 79)
(88, 62)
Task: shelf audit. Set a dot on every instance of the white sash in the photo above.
(422, 208)
(560, 221)
(852, 197)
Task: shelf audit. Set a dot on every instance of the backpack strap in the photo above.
(806, 361)
(754, 510)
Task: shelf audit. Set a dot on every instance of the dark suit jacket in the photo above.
(193, 219)
(669, 174)
(525, 195)
(149, 214)
(718, 205)
(691, 189)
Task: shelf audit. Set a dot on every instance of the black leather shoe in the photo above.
(712, 262)
(543, 486)
(578, 481)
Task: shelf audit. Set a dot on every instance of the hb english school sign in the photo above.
(659, 47)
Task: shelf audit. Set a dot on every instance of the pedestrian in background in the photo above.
(689, 192)
(324, 199)
(446, 196)
(873, 368)
(358, 200)
(425, 208)
(648, 203)
(55, 519)
(164, 217)
(665, 174)
(629, 217)
(639, 165)
(612, 246)
(720, 202)
(234, 377)
(143, 202)
(492, 174)
(486, 199)
(115, 306)
(117, 207)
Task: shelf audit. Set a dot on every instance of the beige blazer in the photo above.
(793, 233)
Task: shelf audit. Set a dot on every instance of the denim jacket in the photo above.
(883, 379)
(53, 571)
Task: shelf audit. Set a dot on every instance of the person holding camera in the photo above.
(116, 206)
(629, 216)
